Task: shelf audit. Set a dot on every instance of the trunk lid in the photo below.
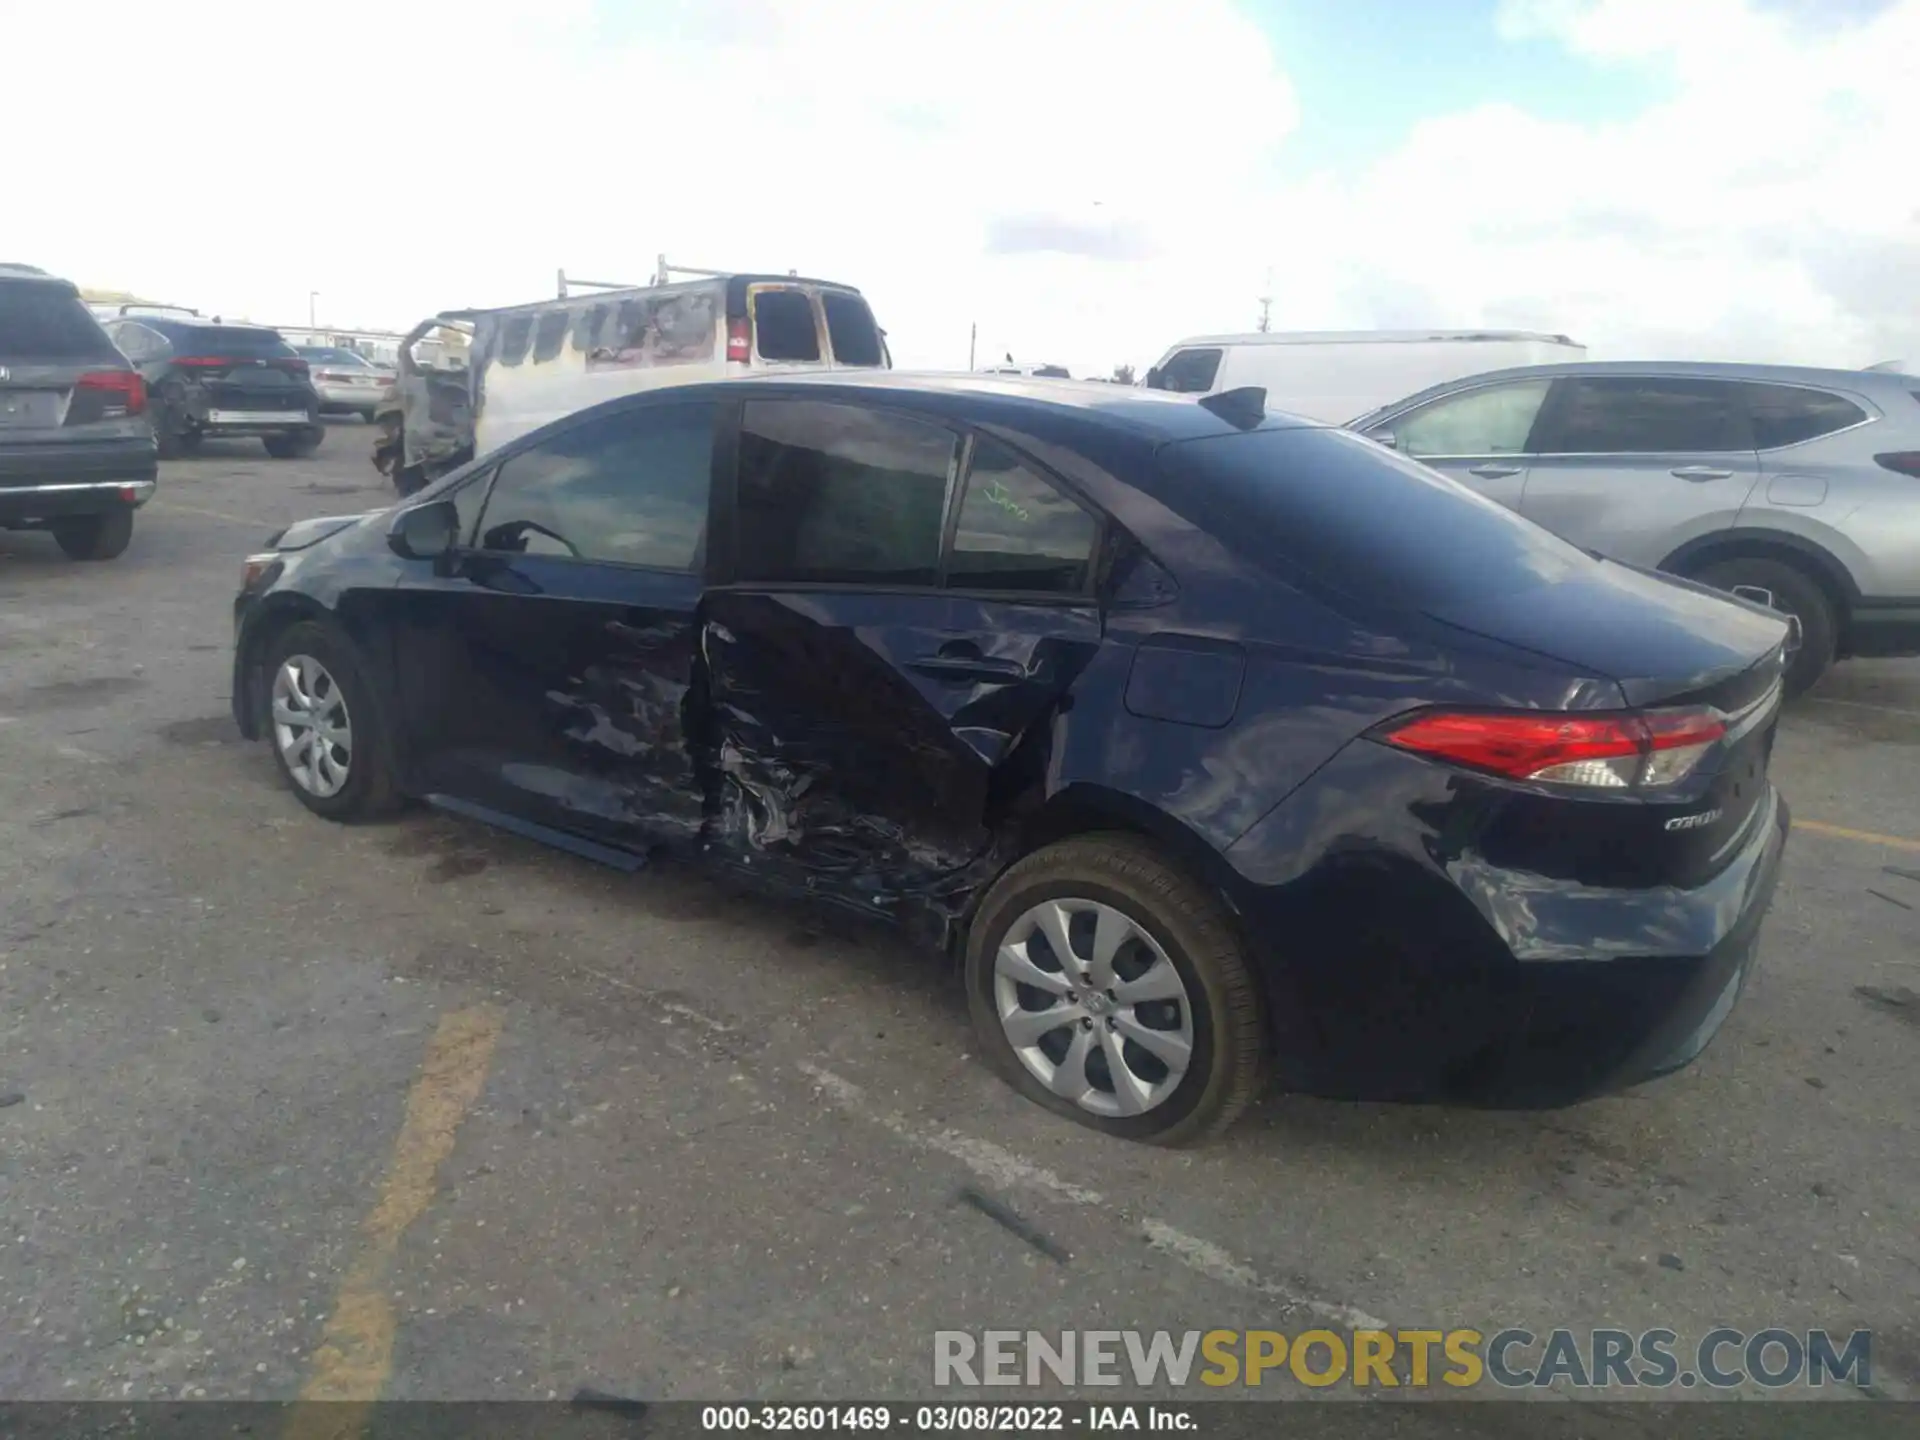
(1668, 644)
(1663, 641)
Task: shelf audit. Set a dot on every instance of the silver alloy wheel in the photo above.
(311, 727)
(1093, 1006)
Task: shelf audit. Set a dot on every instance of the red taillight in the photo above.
(121, 391)
(740, 339)
(206, 362)
(1611, 752)
(1905, 462)
(291, 366)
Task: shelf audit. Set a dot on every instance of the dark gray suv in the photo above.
(76, 449)
(1796, 487)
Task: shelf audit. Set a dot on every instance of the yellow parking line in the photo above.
(355, 1352)
(209, 514)
(1871, 837)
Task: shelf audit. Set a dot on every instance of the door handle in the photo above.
(1701, 472)
(963, 660)
(1494, 472)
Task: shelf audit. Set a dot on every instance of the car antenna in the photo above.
(1244, 408)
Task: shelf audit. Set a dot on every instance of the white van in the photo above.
(1338, 375)
(534, 363)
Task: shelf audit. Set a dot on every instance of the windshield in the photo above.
(229, 340)
(43, 322)
(1362, 520)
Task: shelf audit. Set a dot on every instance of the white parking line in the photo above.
(1001, 1167)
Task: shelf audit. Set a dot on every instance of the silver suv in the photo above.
(1796, 487)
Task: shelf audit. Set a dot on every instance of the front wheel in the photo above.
(294, 444)
(1107, 986)
(1791, 591)
(95, 537)
(324, 725)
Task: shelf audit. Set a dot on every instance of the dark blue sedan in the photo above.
(1211, 745)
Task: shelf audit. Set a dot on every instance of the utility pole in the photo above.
(1266, 304)
(973, 336)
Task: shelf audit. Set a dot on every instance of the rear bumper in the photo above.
(1590, 1028)
(1401, 963)
(340, 398)
(48, 481)
(1884, 628)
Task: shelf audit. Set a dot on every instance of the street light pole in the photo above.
(312, 296)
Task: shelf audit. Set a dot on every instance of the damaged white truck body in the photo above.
(472, 380)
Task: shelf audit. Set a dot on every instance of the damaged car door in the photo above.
(545, 666)
(903, 605)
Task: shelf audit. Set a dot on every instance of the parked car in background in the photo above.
(76, 451)
(1042, 372)
(1333, 376)
(212, 378)
(347, 383)
(530, 364)
(1800, 487)
(1087, 685)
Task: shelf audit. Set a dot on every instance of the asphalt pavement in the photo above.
(421, 1110)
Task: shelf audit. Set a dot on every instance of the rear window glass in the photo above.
(1788, 414)
(42, 322)
(783, 326)
(228, 340)
(1362, 520)
(850, 328)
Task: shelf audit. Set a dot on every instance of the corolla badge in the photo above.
(1694, 822)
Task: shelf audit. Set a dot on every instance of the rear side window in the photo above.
(850, 329)
(629, 489)
(1190, 372)
(230, 340)
(44, 322)
(1017, 532)
(1788, 414)
(783, 326)
(1360, 519)
(837, 493)
(1624, 415)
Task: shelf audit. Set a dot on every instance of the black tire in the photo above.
(1229, 1012)
(1794, 592)
(369, 790)
(168, 440)
(95, 537)
(295, 444)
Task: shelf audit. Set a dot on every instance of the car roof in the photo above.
(1862, 381)
(34, 275)
(1369, 337)
(1153, 415)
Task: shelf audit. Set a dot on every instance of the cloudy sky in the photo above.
(1087, 180)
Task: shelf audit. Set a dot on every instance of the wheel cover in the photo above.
(1093, 1007)
(311, 727)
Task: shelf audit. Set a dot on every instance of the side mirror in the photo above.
(1384, 437)
(425, 532)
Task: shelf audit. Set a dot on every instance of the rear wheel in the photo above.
(1792, 591)
(1107, 986)
(95, 537)
(324, 726)
(294, 444)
